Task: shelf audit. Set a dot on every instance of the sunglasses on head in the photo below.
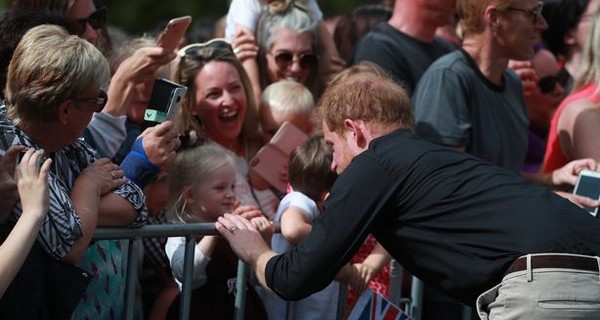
(548, 83)
(195, 48)
(307, 61)
(100, 100)
(97, 20)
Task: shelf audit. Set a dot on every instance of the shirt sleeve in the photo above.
(129, 191)
(135, 196)
(301, 201)
(358, 197)
(61, 226)
(107, 132)
(175, 249)
(441, 108)
(244, 13)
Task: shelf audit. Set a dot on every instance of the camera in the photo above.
(165, 101)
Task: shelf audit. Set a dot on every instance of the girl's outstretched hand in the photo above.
(247, 212)
(265, 227)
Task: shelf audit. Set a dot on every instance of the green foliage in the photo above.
(139, 16)
(4, 4)
(335, 7)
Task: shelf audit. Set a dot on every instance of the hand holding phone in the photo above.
(173, 33)
(165, 101)
(588, 185)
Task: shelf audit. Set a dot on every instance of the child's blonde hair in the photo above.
(287, 96)
(190, 168)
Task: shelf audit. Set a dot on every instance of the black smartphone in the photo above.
(165, 101)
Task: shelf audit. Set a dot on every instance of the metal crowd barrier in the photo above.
(190, 231)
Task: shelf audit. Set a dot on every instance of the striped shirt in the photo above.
(62, 225)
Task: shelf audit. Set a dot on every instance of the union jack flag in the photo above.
(373, 306)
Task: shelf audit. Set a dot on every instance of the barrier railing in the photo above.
(190, 231)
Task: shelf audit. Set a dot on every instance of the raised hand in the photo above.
(248, 212)
(244, 239)
(140, 68)
(264, 227)
(32, 183)
(160, 144)
(244, 45)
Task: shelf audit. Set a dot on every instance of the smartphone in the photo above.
(165, 101)
(271, 160)
(588, 185)
(171, 36)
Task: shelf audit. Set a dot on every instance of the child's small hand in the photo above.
(244, 44)
(265, 227)
(360, 276)
(32, 183)
(248, 212)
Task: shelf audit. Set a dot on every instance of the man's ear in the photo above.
(356, 130)
(63, 112)
(491, 16)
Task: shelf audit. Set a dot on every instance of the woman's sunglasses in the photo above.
(307, 61)
(97, 20)
(547, 84)
(194, 48)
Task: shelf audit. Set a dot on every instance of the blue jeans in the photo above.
(545, 293)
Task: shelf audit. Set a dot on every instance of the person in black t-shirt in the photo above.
(406, 45)
(453, 220)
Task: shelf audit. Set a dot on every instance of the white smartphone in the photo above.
(173, 33)
(165, 101)
(588, 185)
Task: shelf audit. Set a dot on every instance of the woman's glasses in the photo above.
(547, 84)
(97, 20)
(307, 61)
(195, 48)
(100, 100)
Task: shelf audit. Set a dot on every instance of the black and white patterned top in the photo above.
(62, 225)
